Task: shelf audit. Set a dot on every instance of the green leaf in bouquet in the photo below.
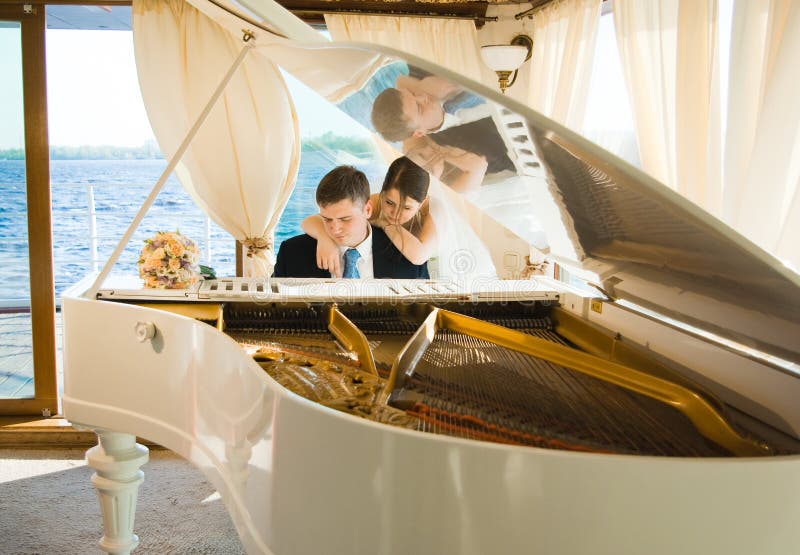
(207, 272)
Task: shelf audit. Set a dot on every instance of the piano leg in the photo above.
(117, 459)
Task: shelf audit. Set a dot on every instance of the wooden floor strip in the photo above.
(16, 356)
(28, 432)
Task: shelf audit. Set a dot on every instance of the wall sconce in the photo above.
(505, 59)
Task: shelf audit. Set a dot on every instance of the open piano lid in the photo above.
(647, 244)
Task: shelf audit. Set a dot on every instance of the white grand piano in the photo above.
(658, 414)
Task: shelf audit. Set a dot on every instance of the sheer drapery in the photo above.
(762, 149)
(243, 181)
(461, 255)
(451, 43)
(671, 57)
(670, 61)
(564, 35)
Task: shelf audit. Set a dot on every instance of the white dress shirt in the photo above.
(465, 115)
(364, 263)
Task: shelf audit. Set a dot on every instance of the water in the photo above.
(120, 187)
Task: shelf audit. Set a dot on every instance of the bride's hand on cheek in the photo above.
(381, 221)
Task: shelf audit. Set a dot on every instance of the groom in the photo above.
(365, 250)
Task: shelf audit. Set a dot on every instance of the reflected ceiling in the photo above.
(112, 18)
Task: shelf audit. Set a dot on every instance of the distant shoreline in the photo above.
(87, 152)
(356, 146)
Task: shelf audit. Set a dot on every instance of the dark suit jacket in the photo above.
(480, 137)
(297, 257)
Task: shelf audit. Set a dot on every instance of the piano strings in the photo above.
(462, 385)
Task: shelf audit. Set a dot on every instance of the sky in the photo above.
(92, 90)
(93, 93)
(11, 90)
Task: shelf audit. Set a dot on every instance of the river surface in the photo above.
(120, 187)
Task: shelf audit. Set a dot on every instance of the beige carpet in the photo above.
(48, 505)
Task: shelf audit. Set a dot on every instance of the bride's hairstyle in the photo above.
(410, 181)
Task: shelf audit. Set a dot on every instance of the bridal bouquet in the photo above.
(169, 260)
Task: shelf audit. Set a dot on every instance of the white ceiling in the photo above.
(89, 17)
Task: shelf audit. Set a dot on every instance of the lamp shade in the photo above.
(503, 57)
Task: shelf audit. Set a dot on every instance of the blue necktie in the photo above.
(351, 256)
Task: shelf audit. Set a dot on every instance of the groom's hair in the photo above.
(343, 182)
(388, 118)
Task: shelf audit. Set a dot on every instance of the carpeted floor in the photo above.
(48, 505)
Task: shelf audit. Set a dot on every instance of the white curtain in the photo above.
(670, 61)
(762, 150)
(451, 43)
(671, 58)
(564, 35)
(241, 166)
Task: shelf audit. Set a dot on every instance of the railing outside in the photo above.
(96, 261)
(89, 219)
(92, 226)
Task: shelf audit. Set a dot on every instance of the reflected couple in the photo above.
(357, 235)
(448, 131)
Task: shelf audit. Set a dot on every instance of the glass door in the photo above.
(27, 304)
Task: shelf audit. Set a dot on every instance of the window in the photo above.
(609, 119)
